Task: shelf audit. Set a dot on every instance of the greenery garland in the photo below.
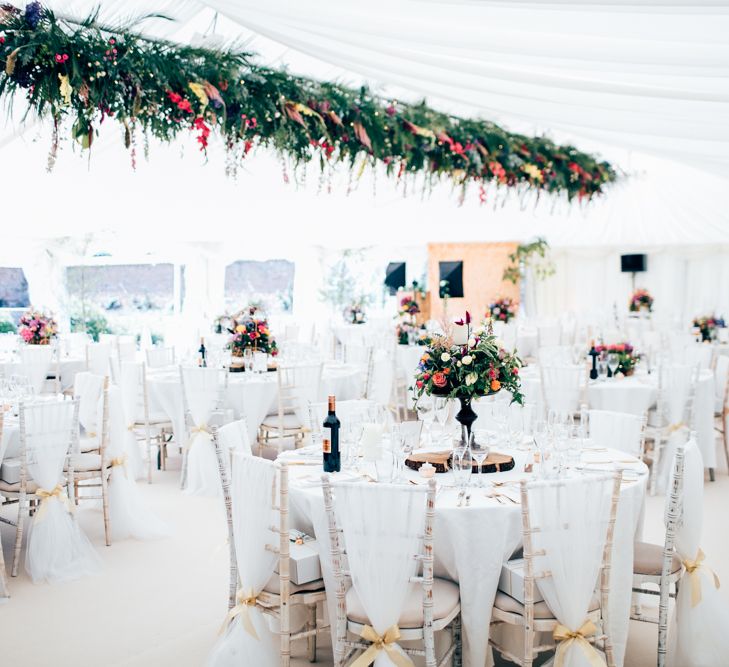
(88, 73)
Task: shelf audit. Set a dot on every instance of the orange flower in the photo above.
(440, 379)
(495, 385)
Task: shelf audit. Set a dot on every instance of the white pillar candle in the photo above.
(371, 442)
(460, 334)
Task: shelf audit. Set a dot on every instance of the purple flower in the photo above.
(33, 13)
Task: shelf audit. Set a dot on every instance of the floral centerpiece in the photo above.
(627, 356)
(355, 314)
(408, 306)
(37, 328)
(250, 332)
(641, 300)
(707, 326)
(502, 310)
(467, 364)
(407, 331)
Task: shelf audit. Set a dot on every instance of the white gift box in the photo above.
(511, 581)
(10, 471)
(304, 563)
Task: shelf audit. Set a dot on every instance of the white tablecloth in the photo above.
(69, 366)
(636, 394)
(249, 396)
(471, 543)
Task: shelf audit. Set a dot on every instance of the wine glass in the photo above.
(408, 438)
(442, 412)
(515, 424)
(500, 415)
(541, 438)
(613, 362)
(462, 469)
(248, 359)
(602, 369)
(480, 448)
(426, 413)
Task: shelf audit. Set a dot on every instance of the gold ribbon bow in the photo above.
(120, 461)
(692, 569)
(130, 426)
(197, 430)
(675, 427)
(566, 637)
(58, 493)
(243, 599)
(386, 642)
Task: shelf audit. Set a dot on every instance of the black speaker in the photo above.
(395, 276)
(453, 273)
(632, 263)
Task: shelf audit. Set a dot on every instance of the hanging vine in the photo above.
(83, 74)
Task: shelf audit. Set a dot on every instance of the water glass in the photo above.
(480, 448)
(462, 469)
(426, 413)
(442, 412)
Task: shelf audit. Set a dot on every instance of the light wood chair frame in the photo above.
(158, 349)
(98, 478)
(3, 572)
(287, 403)
(660, 435)
(527, 621)
(721, 417)
(667, 582)
(344, 648)
(278, 605)
(164, 429)
(27, 502)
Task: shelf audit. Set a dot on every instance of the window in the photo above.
(268, 284)
(13, 288)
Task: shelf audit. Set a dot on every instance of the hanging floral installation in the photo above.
(83, 74)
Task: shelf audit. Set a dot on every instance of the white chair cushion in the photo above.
(446, 597)
(274, 586)
(86, 462)
(648, 559)
(509, 604)
(289, 422)
(88, 444)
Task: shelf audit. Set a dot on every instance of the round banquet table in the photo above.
(635, 395)
(69, 366)
(249, 396)
(471, 543)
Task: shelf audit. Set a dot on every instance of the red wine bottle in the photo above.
(332, 458)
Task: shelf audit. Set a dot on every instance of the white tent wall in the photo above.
(685, 282)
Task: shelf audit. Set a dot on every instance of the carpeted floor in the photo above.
(161, 603)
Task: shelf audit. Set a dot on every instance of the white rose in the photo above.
(496, 311)
(471, 342)
(467, 360)
(445, 357)
(459, 364)
(471, 379)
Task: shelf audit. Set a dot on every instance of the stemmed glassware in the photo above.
(541, 440)
(480, 447)
(500, 415)
(613, 362)
(602, 368)
(462, 469)
(405, 437)
(426, 413)
(442, 411)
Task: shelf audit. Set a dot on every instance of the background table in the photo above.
(471, 543)
(249, 396)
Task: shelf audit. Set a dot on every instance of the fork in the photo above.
(468, 499)
(460, 497)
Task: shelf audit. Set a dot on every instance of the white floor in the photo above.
(161, 603)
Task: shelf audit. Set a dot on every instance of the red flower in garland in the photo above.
(498, 171)
(199, 124)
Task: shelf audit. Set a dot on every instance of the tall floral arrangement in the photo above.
(502, 310)
(37, 328)
(708, 325)
(467, 364)
(250, 332)
(640, 300)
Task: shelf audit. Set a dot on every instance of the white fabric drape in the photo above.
(572, 517)
(382, 527)
(615, 430)
(203, 393)
(562, 387)
(88, 388)
(571, 68)
(57, 548)
(129, 514)
(98, 356)
(252, 482)
(131, 387)
(699, 635)
(35, 363)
